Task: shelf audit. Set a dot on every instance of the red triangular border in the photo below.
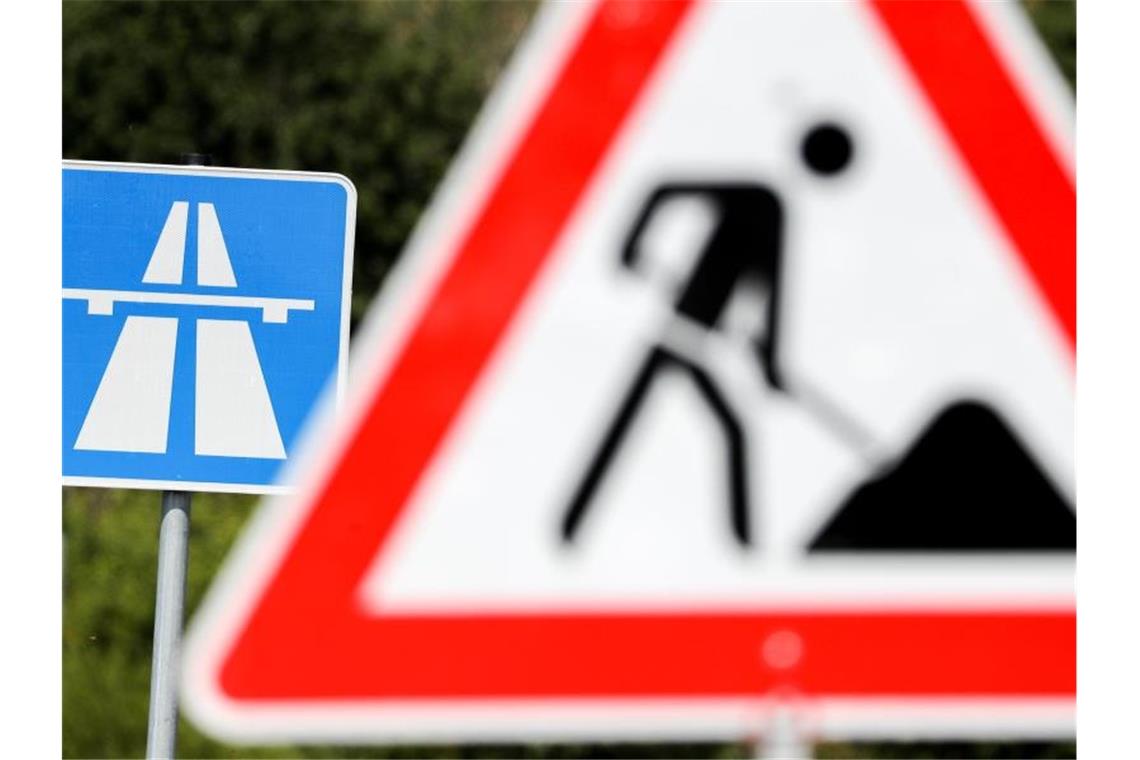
(307, 638)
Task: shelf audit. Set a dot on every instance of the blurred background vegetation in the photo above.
(382, 93)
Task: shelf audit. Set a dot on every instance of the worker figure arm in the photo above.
(631, 249)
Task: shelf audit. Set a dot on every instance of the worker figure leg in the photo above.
(659, 359)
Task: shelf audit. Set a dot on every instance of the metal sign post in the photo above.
(173, 540)
(169, 599)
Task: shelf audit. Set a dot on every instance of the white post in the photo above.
(783, 740)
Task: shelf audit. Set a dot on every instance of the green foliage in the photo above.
(108, 597)
(1056, 22)
(963, 750)
(380, 92)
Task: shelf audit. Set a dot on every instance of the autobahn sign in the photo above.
(731, 370)
(204, 311)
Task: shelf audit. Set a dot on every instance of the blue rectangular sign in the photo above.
(205, 310)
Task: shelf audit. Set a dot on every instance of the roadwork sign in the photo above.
(731, 371)
(204, 311)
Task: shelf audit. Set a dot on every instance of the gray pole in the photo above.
(169, 599)
(173, 535)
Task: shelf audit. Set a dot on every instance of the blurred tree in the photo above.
(380, 92)
(1056, 22)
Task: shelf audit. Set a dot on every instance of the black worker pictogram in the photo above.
(746, 248)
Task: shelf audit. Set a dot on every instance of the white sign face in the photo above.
(904, 321)
(736, 354)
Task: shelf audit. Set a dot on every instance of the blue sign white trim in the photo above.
(205, 311)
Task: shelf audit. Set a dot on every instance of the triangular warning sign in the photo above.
(706, 275)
